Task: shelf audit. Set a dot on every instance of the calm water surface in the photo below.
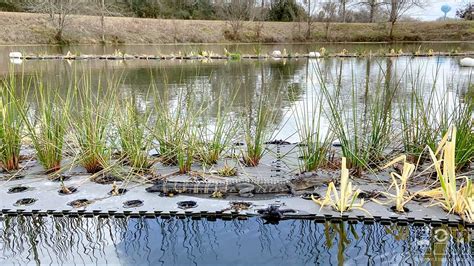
(140, 241)
(289, 84)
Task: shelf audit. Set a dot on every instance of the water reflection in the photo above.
(287, 84)
(174, 241)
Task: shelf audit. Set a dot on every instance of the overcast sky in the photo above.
(433, 9)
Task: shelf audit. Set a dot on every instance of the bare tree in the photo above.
(327, 14)
(59, 13)
(236, 12)
(397, 8)
(343, 9)
(372, 6)
(104, 9)
(310, 8)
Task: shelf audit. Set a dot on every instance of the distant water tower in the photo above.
(445, 8)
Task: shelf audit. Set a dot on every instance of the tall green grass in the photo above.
(91, 121)
(217, 135)
(364, 130)
(463, 119)
(48, 126)
(258, 122)
(315, 143)
(427, 114)
(421, 113)
(175, 129)
(132, 126)
(12, 105)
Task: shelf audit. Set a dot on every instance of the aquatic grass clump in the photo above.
(12, 105)
(175, 130)
(451, 197)
(463, 121)
(92, 121)
(421, 115)
(315, 144)
(257, 129)
(364, 134)
(216, 136)
(135, 140)
(345, 199)
(48, 126)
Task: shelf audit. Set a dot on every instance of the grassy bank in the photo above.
(27, 28)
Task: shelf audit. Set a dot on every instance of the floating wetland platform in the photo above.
(31, 193)
(233, 56)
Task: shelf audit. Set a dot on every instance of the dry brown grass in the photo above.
(27, 28)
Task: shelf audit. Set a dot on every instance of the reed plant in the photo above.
(217, 135)
(364, 133)
(48, 126)
(92, 120)
(421, 114)
(175, 130)
(12, 105)
(315, 145)
(258, 121)
(463, 120)
(345, 199)
(135, 140)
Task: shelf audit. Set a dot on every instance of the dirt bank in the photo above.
(27, 28)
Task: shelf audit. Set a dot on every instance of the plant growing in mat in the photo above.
(451, 197)
(227, 170)
(400, 183)
(48, 126)
(345, 199)
(316, 145)
(363, 134)
(257, 129)
(12, 106)
(421, 115)
(175, 130)
(463, 121)
(216, 137)
(92, 121)
(133, 136)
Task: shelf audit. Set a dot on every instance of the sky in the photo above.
(433, 9)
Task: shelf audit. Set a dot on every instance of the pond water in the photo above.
(141, 241)
(289, 84)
